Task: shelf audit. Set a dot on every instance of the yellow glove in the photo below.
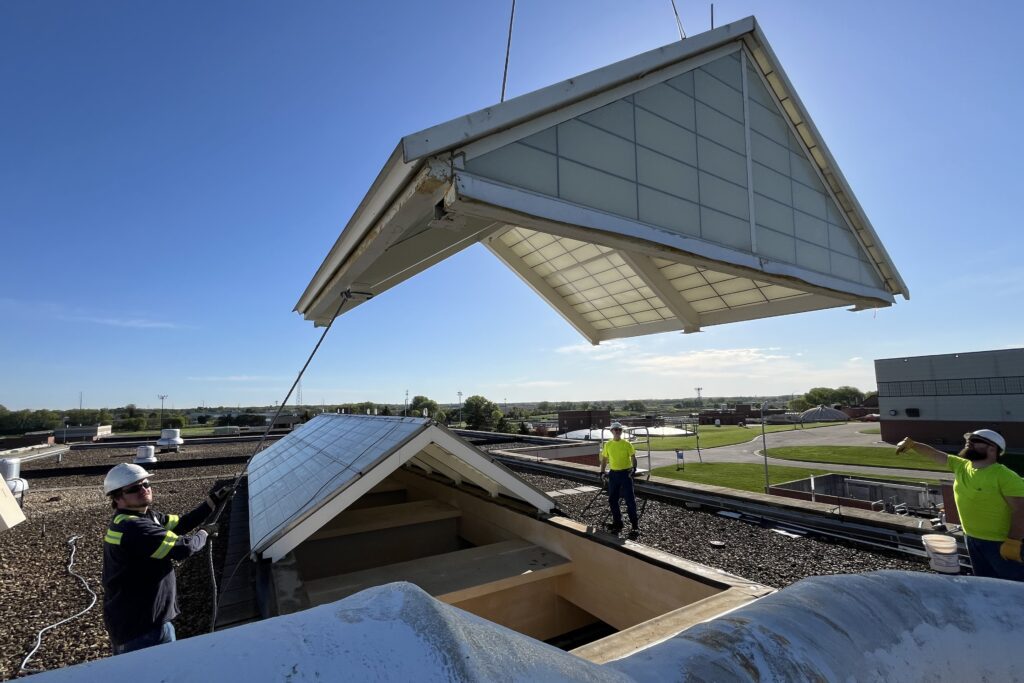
(1010, 550)
(904, 446)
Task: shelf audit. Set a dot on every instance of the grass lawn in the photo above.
(726, 435)
(750, 476)
(869, 456)
(871, 430)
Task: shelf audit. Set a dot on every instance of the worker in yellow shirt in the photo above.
(620, 456)
(990, 499)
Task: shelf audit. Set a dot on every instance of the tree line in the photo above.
(826, 396)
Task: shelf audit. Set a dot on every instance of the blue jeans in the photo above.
(157, 636)
(986, 560)
(620, 485)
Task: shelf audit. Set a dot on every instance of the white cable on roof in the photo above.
(39, 636)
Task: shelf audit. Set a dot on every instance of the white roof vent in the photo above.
(170, 439)
(145, 454)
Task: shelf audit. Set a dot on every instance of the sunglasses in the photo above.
(135, 488)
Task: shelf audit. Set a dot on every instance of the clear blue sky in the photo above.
(172, 174)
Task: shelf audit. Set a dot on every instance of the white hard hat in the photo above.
(994, 438)
(615, 425)
(123, 475)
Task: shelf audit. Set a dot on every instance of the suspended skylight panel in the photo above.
(680, 188)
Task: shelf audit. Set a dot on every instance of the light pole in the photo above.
(405, 410)
(460, 408)
(698, 390)
(764, 449)
(160, 424)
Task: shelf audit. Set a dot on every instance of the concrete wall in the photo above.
(938, 398)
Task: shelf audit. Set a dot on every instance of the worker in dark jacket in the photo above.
(138, 576)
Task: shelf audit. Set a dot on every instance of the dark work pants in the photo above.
(620, 485)
(158, 635)
(986, 560)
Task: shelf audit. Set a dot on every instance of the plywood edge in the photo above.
(651, 632)
(455, 597)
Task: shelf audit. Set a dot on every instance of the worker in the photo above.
(620, 457)
(140, 597)
(989, 499)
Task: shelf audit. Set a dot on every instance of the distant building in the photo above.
(936, 399)
(40, 438)
(285, 421)
(571, 420)
(741, 412)
(82, 433)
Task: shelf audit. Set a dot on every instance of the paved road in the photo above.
(840, 435)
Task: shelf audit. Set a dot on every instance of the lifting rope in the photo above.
(679, 22)
(508, 50)
(39, 636)
(213, 519)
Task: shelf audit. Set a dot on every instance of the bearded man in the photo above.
(990, 500)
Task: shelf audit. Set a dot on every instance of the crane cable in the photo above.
(39, 636)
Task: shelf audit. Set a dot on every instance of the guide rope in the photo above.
(211, 521)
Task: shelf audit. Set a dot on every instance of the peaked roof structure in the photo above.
(305, 479)
(683, 187)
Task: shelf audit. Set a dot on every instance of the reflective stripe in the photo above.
(172, 521)
(165, 547)
(113, 537)
(121, 518)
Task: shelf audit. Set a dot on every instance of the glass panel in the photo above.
(301, 471)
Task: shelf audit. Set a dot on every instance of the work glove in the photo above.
(209, 529)
(604, 479)
(1011, 550)
(632, 472)
(218, 494)
(201, 535)
(905, 445)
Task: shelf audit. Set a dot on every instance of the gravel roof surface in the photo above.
(750, 550)
(38, 591)
(115, 454)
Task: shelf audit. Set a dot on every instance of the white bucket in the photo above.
(942, 553)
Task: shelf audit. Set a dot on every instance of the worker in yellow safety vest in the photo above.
(990, 500)
(619, 456)
(140, 594)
